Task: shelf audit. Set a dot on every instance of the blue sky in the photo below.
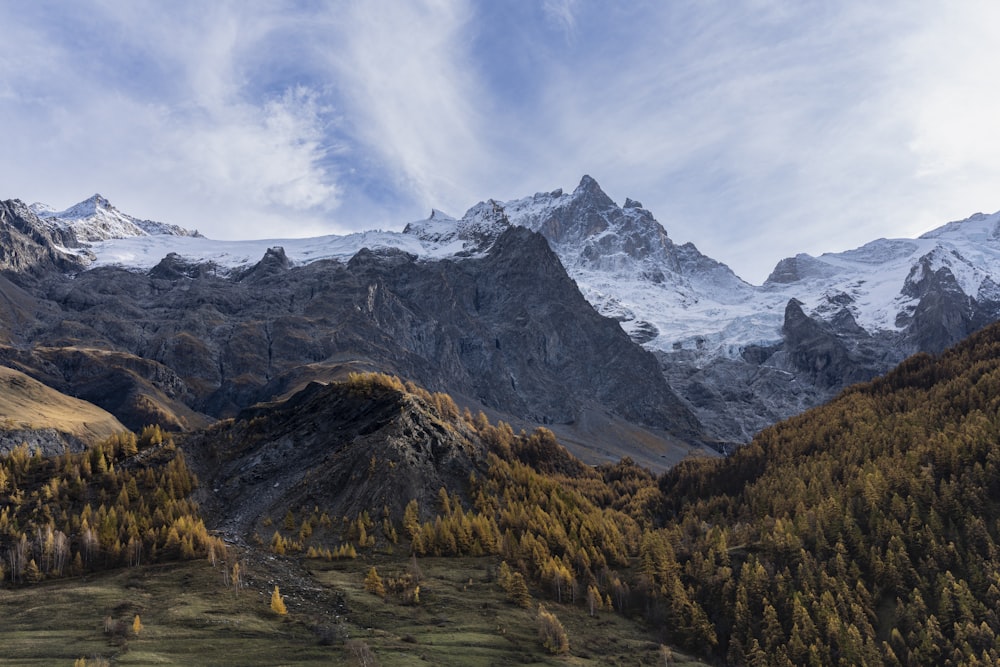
(755, 129)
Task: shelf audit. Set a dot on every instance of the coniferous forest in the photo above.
(861, 532)
(121, 503)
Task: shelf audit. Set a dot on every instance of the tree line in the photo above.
(122, 502)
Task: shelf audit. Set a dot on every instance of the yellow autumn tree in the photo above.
(374, 583)
(278, 602)
(551, 632)
(136, 625)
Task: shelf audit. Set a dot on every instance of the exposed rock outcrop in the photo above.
(336, 447)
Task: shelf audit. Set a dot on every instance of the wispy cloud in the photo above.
(412, 93)
(160, 103)
(560, 12)
(771, 128)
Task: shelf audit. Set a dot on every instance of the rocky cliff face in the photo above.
(30, 248)
(504, 328)
(742, 356)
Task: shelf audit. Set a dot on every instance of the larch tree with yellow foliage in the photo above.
(278, 602)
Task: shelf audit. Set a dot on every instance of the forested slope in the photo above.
(861, 532)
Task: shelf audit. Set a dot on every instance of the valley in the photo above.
(442, 450)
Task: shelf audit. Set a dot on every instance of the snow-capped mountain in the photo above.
(101, 235)
(183, 331)
(742, 356)
(629, 268)
(96, 219)
(745, 356)
(674, 298)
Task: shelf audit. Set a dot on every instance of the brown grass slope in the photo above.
(28, 405)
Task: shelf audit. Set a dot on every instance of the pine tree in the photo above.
(517, 591)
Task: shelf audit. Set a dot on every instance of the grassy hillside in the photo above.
(126, 502)
(189, 617)
(26, 404)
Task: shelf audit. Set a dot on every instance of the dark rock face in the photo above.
(944, 314)
(508, 330)
(28, 247)
(336, 448)
(814, 350)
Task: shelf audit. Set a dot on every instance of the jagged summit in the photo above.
(591, 189)
(439, 215)
(88, 207)
(475, 233)
(96, 219)
(625, 262)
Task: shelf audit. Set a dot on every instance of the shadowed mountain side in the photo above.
(345, 447)
(29, 248)
(508, 330)
(138, 391)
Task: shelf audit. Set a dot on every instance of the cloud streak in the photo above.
(176, 127)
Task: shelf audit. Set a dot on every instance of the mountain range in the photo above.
(738, 356)
(494, 320)
(863, 531)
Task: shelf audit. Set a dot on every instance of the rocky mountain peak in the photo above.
(474, 233)
(274, 262)
(96, 219)
(591, 191)
(439, 215)
(88, 207)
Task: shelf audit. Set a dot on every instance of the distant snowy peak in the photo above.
(978, 228)
(878, 283)
(474, 233)
(96, 219)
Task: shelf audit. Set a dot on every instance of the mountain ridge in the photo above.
(96, 219)
(499, 325)
(711, 330)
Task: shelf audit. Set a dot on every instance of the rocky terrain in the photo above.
(501, 327)
(157, 324)
(743, 356)
(345, 449)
